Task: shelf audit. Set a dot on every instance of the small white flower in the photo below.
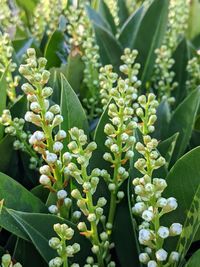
(61, 194)
(174, 256)
(139, 189)
(147, 215)
(39, 136)
(35, 107)
(124, 137)
(163, 232)
(57, 147)
(176, 229)
(144, 257)
(144, 236)
(67, 157)
(114, 148)
(152, 264)
(162, 202)
(44, 179)
(172, 203)
(161, 255)
(51, 158)
(56, 262)
(53, 209)
(57, 120)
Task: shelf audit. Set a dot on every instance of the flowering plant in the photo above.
(99, 133)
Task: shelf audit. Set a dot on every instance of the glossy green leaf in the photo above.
(122, 11)
(56, 49)
(39, 229)
(183, 120)
(194, 19)
(130, 28)
(150, 36)
(194, 260)
(71, 109)
(183, 184)
(109, 48)
(105, 13)
(6, 149)
(99, 18)
(21, 46)
(74, 71)
(181, 57)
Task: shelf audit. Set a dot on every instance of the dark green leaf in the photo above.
(122, 11)
(3, 93)
(150, 36)
(56, 50)
(6, 149)
(71, 109)
(194, 260)
(182, 121)
(21, 46)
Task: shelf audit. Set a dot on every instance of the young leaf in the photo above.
(182, 121)
(71, 109)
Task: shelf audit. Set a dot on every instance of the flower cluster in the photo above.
(6, 64)
(6, 261)
(14, 127)
(64, 250)
(163, 79)
(108, 78)
(47, 141)
(46, 17)
(149, 203)
(193, 69)
(83, 39)
(79, 157)
(114, 10)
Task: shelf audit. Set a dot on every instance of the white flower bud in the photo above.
(68, 202)
(174, 256)
(44, 180)
(152, 264)
(39, 136)
(45, 169)
(91, 217)
(120, 195)
(57, 147)
(112, 187)
(53, 209)
(57, 120)
(176, 229)
(56, 262)
(144, 236)
(51, 158)
(171, 204)
(144, 258)
(61, 194)
(54, 242)
(95, 249)
(139, 207)
(61, 135)
(101, 202)
(147, 215)
(161, 255)
(163, 232)
(49, 116)
(161, 202)
(34, 106)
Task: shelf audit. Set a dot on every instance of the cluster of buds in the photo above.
(121, 129)
(6, 261)
(114, 10)
(14, 127)
(47, 117)
(149, 203)
(83, 40)
(6, 64)
(108, 78)
(78, 162)
(65, 251)
(163, 75)
(193, 69)
(46, 17)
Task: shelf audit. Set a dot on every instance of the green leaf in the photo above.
(183, 184)
(21, 46)
(194, 260)
(193, 28)
(75, 68)
(3, 93)
(56, 50)
(150, 36)
(183, 120)
(71, 109)
(129, 30)
(105, 13)
(109, 48)
(28, 5)
(6, 149)
(122, 11)
(39, 229)
(181, 57)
